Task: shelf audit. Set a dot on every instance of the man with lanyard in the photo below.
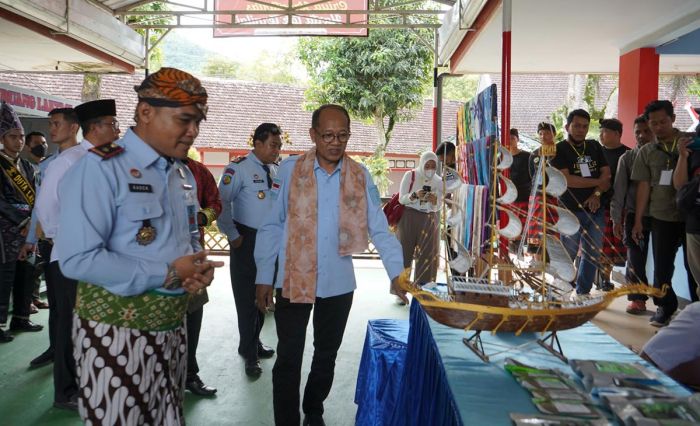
(128, 233)
(210, 204)
(16, 202)
(326, 206)
(245, 192)
(622, 208)
(613, 249)
(98, 122)
(34, 151)
(587, 177)
(653, 171)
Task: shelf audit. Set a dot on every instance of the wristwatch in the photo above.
(597, 193)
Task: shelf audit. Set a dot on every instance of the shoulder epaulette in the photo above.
(239, 159)
(107, 150)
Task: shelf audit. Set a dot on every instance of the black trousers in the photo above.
(666, 237)
(45, 248)
(194, 326)
(64, 292)
(14, 281)
(330, 318)
(636, 271)
(243, 272)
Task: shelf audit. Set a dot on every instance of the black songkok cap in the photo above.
(94, 109)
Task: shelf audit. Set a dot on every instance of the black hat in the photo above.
(94, 109)
(611, 124)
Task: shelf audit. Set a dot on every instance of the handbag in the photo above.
(394, 209)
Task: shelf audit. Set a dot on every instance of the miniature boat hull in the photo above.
(537, 318)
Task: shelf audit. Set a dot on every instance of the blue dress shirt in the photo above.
(240, 187)
(104, 204)
(335, 273)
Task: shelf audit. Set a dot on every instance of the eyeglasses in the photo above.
(113, 123)
(329, 137)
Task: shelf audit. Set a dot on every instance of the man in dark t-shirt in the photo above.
(587, 176)
(520, 175)
(614, 252)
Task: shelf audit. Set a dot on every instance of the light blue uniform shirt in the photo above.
(32, 238)
(104, 203)
(336, 275)
(240, 187)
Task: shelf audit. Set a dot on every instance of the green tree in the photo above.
(221, 67)
(267, 68)
(461, 88)
(155, 58)
(378, 78)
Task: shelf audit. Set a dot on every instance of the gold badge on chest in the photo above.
(146, 234)
(261, 195)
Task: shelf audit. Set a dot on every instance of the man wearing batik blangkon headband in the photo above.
(128, 233)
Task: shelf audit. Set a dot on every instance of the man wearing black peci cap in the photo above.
(98, 119)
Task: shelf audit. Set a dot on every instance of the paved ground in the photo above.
(26, 395)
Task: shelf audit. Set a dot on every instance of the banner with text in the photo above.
(329, 17)
(30, 103)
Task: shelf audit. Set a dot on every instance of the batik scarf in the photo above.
(301, 266)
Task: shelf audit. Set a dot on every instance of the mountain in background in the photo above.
(179, 52)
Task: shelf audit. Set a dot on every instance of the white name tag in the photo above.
(666, 176)
(585, 171)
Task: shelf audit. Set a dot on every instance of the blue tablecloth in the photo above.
(381, 368)
(441, 382)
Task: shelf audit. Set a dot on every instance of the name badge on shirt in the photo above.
(275, 188)
(192, 218)
(585, 171)
(666, 176)
(140, 187)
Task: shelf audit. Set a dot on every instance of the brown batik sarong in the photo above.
(128, 376)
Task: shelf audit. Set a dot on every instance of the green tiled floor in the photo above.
(26, 396)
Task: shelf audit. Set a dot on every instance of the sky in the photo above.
(239, 48)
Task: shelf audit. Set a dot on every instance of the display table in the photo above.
(432, 378)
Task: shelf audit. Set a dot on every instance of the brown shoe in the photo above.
(636, 307)
(40, 304)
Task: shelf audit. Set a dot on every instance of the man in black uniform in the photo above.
(587, 177)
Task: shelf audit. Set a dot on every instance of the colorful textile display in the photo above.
(477, 133)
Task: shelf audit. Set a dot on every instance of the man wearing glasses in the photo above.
(99, 124)
(326, 208)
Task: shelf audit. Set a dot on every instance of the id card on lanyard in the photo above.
(667, 174)
(582, 160)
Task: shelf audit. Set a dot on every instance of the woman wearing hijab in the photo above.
(418, 230)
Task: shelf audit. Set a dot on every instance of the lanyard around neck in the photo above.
(579, 154)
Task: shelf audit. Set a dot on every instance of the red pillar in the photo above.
(639, 84)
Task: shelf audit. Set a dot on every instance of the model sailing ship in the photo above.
(498, 293)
